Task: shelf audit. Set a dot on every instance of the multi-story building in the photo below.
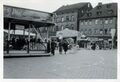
(67, 16)
(97, 23)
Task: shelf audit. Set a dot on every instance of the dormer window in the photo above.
(89, 14)
(108, 5)
(88, 5)
(99, 7)
(99, 12)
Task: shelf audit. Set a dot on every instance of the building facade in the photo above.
(98, 22)
(67, 16)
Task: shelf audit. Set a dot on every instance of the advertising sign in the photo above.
(26, 14)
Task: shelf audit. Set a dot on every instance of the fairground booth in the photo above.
(21, 31)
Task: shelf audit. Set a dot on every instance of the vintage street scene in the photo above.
(75, 41)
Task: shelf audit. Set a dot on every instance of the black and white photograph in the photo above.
(60, 39)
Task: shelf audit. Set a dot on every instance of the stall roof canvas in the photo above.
(67, 33)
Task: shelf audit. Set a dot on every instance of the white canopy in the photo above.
(67, 33)
(19, 32)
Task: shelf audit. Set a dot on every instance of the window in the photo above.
(101, 31)
(101, 21)
(86, 22)
(67, 18)
(88, 5)
(106, 21)
(96, 21)
(111, 20)
(95, 31)
(106, 31)
(62, 19)
(110, 11)
(57, 19)
(81, 31)
(72, 18)
(57, 29)
(53, 29)
(62, 27)
(90, 31)
(81, 22)
(85, 31)
(66, 26)
(90, 22)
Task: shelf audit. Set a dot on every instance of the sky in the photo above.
(48, 5)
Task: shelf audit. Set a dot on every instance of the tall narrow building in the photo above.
(97, 23)
(67, 16)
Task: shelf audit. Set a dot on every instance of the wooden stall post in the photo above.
(28, 50)
(8, 41)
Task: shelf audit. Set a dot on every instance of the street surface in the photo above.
(76, 64)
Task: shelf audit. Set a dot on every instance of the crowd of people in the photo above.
(20, 43)
(103, 45)
(62, 46)
(17, 43)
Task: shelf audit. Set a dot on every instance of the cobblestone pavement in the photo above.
(76, 64)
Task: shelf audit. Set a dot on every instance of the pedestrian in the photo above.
(60, 47)
(65, 46)
(53, 45)
(93, 46)
(48, 46)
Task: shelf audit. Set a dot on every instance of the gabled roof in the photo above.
(72, 6)
(102, 10)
